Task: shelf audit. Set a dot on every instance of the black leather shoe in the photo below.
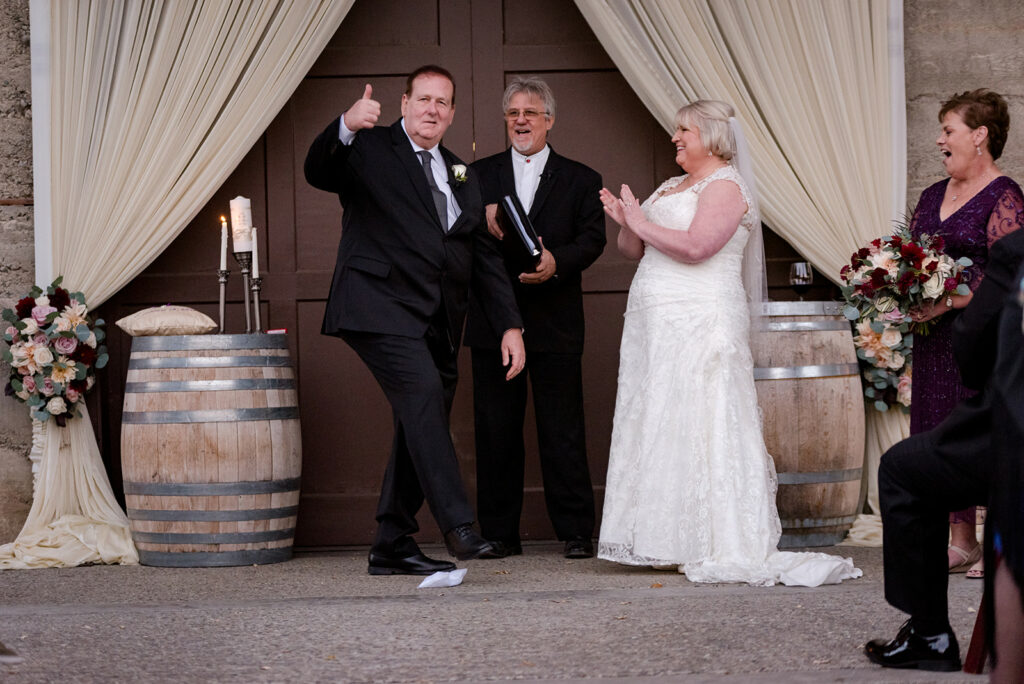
(578, 547)
(938, 653)
(417, 564)
(464, 544)
(505, 549)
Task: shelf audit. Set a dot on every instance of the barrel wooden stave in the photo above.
(242, 451)
(813, 427)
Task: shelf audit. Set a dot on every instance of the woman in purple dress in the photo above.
(970, 210)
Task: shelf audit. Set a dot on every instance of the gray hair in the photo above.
(530, 85)
(711, 118)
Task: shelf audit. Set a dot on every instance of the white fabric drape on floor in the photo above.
(153, 105)
(813, 82)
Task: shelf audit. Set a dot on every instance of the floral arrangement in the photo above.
(883, 283)
(54, 351)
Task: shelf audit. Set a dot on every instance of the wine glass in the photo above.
(801, 275)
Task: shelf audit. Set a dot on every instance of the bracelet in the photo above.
(949, 302)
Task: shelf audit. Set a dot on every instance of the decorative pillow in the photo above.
(169, 319)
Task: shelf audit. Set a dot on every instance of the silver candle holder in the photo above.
(244, 260)
(256, 283)
(222, 278)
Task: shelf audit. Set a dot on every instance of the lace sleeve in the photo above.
(1007, 215)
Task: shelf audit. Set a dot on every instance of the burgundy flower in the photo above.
(912, 253)
(24, 307)
(878, 277)
(938, 244)
(905, 281)
(60, 298)
(950, 284)
(78, 385)
(85, 354)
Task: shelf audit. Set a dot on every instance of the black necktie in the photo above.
(440, 201)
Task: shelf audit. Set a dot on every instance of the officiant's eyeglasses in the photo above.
(513, 114)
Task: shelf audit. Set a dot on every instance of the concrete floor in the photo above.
(535, 618)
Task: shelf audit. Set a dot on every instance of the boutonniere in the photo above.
(459, 171)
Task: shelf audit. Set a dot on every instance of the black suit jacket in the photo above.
(568, 215)
(396, 263)
(968, 428)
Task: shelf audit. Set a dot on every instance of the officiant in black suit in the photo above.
(922, 478)
(561, 199)
(413, 239)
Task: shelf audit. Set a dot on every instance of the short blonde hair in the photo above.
(711, 119)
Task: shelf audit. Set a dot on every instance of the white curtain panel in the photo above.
(810, 81)
(153, 104)
(819, 89)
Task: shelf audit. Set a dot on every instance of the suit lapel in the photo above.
(414, 167)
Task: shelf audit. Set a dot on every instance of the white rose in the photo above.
(63, 323)
(56, 406)
(459, 171)
(91, 341)
(885, 304)
(946, 265)
(891, 337)
(31, 327)
(895, 362)
(42, 355)
(43, 301)
(935, 286)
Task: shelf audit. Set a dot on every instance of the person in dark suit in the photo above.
(413, 238)
(922, 478)
(561, 198)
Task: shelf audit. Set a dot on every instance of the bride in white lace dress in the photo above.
(689, 483)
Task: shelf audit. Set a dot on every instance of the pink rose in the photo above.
(65, 345)
(39, 339)
(39, 313)
(47, 388)
(29, 383)
(12, 331)
(72, 394)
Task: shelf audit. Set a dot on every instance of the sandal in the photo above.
(967, 558)
(977, 571)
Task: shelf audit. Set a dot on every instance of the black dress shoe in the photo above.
(464, 544)
(937, 653)
(505, 549)
(578, 547)
(417, 564)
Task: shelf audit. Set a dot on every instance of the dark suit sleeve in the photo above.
(325, 166)
(975, 330)
(588, 224)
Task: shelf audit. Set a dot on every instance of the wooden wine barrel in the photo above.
(210, 449)
(809, 389)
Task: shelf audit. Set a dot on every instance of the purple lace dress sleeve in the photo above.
(995, 211)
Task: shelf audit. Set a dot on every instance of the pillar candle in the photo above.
(223, 244)
(255, 256)
(241, 224)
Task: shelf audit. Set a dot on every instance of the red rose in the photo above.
(938, 244)
(24, 307)
(60, 298)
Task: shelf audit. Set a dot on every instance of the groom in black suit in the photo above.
(561, 197)
(948, 468)
(413, 238)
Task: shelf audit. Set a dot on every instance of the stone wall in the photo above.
(952, 46)
(17, 252)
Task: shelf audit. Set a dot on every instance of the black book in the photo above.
(519, 233)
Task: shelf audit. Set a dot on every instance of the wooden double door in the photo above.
(346, 422)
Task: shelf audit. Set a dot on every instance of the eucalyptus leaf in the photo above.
(82, 331)
(101, 360)
(57, 282)
(8, 356)
(881, 406)
(851, 312)
(869, 392)
(80, 371)
(965, 261)
(17, 384)
(99, 322)
(881, 385)
(100, 335)
(962, 289)
(908, 340)
(10, 316)
(878, 326)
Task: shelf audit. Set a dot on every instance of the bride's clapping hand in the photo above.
(612, 206)
(631, 211)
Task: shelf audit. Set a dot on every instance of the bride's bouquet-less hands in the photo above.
(883, 283)
(54, 351)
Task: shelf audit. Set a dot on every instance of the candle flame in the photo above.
(223, 220)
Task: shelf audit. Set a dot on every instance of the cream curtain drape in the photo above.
(811, 82)
(153, 104)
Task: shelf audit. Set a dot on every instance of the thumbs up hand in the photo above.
(364, 112)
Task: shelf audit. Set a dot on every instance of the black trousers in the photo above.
(499, 411)
(920, 481)
(418, 377)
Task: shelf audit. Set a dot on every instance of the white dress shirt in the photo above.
(437, 165)
(527, 171)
